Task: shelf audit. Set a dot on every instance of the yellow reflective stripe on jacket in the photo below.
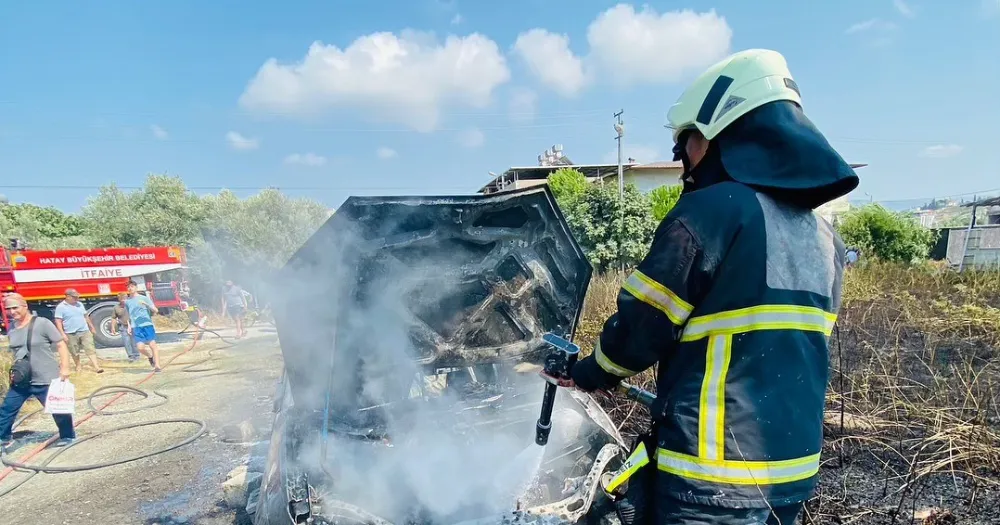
(610, 366)
(645, 289)
(764, 317)
(737, 472)
(638, 459)
(712, 407)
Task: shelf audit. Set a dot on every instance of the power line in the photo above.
(238, 188)
(966, 194)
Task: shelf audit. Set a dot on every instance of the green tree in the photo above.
(226, 237)
(568, 187)
(663, 199)
(246, 239)
(885, 235)
(163, 212)
(41, 227)
(609, 228)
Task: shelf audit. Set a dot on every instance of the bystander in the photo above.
(75, 325)
(120, 324)
(234, 303)
(45, 347)
(140, 310)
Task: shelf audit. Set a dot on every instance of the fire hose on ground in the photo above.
(120, 390)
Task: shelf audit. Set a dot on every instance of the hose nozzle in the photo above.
(558, 364)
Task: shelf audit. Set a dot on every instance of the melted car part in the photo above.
(465, 280)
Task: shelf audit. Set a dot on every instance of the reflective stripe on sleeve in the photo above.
(645, 289)
(737, 472)
(638, 459)
(610, 366)
(764, 317)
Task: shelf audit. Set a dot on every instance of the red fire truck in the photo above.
(42, 277)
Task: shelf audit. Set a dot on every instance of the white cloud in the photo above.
(305, 159)
(239, 142)
(628, 47)
(873, 24)
(549, 58)
(386, 153)
(643, 154)
(158, 132)
(457, 19)
(407, 78)
(941, 151)
(523, 104)
(472, 138)
(645, 46)
(903, 8)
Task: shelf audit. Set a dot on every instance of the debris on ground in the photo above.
(237, 487)
(241, 433)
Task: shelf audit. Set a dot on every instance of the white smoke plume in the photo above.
(439, 461)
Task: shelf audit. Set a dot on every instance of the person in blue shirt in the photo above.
(74, 323)
(140, 310)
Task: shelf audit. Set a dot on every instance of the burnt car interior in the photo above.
(412, 326)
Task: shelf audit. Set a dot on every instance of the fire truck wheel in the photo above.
(101, 317)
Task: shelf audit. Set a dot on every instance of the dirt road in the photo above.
(180, 486)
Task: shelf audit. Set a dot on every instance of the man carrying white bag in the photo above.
(40, 370)
(61, 398)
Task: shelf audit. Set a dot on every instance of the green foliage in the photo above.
(226, 237)
(163, 212)
(885, 235)
(610, 229)
(663, 199)
(40, 227)
(245, 239)
(568, 187)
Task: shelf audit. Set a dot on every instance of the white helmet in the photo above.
(730, 89)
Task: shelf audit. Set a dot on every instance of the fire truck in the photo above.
(42, 277)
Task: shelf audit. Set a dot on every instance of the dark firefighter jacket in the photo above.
(735, 301)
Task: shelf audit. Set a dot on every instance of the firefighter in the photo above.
(735, 302)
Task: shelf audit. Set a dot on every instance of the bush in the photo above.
(612, 230)
(885, 235)
(568, 187)
(663, 200)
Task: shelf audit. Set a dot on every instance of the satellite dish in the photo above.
(620, 129)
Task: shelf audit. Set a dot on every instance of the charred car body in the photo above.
(406, 325)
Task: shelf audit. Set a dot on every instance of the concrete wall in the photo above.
(833, 209)
(648, 180)
(988, 252)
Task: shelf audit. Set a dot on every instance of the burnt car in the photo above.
(411, 331)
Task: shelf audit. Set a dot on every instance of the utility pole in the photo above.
(620, 131)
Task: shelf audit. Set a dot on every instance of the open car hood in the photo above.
(471, 279)
(403, 322)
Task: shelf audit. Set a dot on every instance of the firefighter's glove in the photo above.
(588, 376)
(564, 382)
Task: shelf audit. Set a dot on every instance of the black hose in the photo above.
(34, 469)
(115, 389)
(43, 467)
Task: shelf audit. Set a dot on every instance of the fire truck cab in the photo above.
(42, 277)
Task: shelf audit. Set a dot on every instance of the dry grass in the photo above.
(912, 420)
(6, 359)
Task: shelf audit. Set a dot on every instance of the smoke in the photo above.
(437, 450)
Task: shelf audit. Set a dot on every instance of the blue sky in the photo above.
(427, 96)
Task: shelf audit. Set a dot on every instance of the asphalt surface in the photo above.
(180, 486)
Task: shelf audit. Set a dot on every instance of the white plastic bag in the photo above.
(61, 398)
